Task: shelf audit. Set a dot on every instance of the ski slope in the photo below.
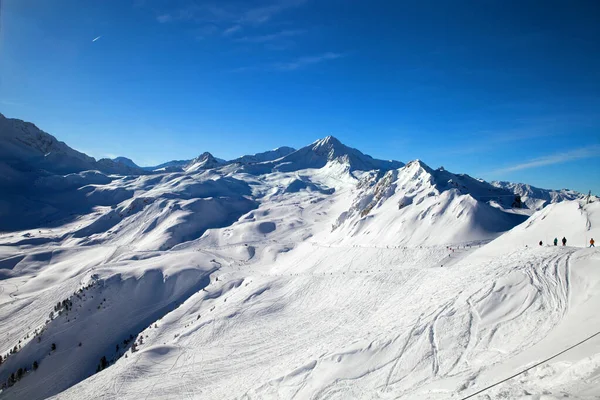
(315, 275)
(367, 322)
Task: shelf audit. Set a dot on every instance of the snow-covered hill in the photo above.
(323, 273)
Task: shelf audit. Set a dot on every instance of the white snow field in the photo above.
(321, 274)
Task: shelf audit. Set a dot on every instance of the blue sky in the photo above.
(498, 89)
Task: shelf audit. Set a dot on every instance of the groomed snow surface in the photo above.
(304, 277)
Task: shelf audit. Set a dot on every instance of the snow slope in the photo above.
(321, 274)
(357, 321)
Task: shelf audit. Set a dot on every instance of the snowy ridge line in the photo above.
(531, 367)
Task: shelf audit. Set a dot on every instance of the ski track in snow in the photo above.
(549, 276)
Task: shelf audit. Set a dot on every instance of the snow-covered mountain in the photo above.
(26, 150)
(25, 147)
(126, 161)
(169, 166)
(203, 161)
(536, 198)
(422, 206)
(172, 166)
(204, 280)
(328, 150)
(264, 156)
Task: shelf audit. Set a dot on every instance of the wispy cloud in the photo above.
(572, 155)
(270, 37)
(292, 65)
(302, 62)
(470, 138)
(235, 14)
(164, 18)
(260, 15)
(232, 30)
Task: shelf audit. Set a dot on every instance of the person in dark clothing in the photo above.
(592, 242)
(564, 241)
(555, 241)
(541, 243)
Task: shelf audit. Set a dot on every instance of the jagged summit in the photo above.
(204, 161)
(418, 164)
(441, 180)
(331, 150)
(328, 141)
(439, 207)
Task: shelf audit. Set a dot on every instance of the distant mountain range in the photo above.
(34, 163)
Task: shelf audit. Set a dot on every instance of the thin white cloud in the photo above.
(572, 155)
(260, 15)
(164, 18)
(306, 61)
(231, 14)
(293, 65)
(96, 38)
(232, 30)
(270, 37)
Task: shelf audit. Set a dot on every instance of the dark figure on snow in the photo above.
(541, 243)
(592, 242)
(555, 241)
(564, 241)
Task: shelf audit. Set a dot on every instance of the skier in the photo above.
(541, 243)
(592, 242)
(564, 241)
(555, 241)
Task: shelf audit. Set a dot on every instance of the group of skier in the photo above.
(564, 242)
